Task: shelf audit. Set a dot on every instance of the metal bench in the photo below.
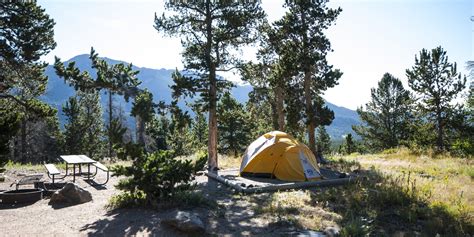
(100, 166)
(28, 179)
(52, 171)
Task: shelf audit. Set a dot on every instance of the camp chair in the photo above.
(27, 179)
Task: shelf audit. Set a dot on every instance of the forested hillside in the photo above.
(158, 82)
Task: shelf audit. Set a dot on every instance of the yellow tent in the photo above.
(277, 154)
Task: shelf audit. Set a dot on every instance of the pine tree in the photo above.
(199, 129)
(209, 31)
(91, 119)
(83, 133)
(260, 113)
(234, 135)
(304, 48)
(73, 130)
(143, 109)
(438, 83)
(269, 77)
(26, 34)
(349, 145)
(179, 137)
(159, 131)
(323, 141)
(387, 116)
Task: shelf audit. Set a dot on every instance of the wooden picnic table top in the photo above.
(77, 159)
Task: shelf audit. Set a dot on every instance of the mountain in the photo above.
(158, 81)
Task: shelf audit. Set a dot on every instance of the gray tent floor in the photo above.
(231, 178)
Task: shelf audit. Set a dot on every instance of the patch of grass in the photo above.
(397, 196)
(343, 165)
(295, 208)
(229, 162)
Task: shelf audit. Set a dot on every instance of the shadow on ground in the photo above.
(128, 222)
(230, 216)
(4, 206)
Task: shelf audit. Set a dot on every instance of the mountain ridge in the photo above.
(158, 82)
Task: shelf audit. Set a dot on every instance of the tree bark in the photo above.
(212, 143)
(309, 112)
(279, 97)
(307, 89)
(110, 123)
(23, 157)
(440, 139)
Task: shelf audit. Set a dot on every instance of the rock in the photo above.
(71, 193)
(200, 173)
(332, 231)
(185, 222)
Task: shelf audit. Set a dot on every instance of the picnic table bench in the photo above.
(52, 171)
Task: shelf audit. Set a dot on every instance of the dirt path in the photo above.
(235, 215)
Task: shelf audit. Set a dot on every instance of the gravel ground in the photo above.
(234, 216)
(87, 219)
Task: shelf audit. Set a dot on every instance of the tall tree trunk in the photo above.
(307, 89)
(23, 144)
(309, 111)
(212, 148)
(440, 139)
(110, 122)
(212, 143)
(279, 97)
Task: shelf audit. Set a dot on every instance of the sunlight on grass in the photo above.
(295, 207)
(229, 162)
(444, 182)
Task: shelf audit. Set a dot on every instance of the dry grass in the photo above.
(407, 192)
(229, 162)
(449, 180)
(296, 207)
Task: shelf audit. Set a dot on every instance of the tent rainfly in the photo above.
(279, 155)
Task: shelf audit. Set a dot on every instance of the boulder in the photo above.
(332, 231)
(185, 222)
(71, 193)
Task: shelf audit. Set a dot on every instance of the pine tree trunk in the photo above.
(23, 144)
(212, 148)
(440, 139)
(307, 90)
(279, 97)
(110, 123)
(212, 143)
(309, 111)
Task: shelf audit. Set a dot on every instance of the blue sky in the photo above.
(370, 37)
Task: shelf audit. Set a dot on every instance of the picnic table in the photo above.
(78, 160)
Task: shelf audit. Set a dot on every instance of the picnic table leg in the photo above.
(88, 171)
(66, 169)
(74, 173)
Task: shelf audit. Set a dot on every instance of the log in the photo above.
(287, 186)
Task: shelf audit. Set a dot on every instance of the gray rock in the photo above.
(332, 231)
(71, 193)
(185, 222)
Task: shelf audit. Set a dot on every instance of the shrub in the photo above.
(158, 176)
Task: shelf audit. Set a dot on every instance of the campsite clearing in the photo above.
(382, 204)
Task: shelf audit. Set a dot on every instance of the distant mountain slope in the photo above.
(158, 81)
